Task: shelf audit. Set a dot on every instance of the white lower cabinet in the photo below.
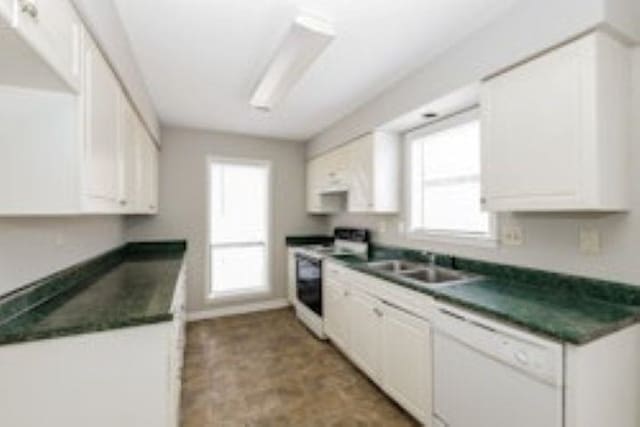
(365, 331)
(390, 341)
(127, 377)
(336, 312)
(407, 361)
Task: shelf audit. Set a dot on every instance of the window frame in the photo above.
(442, 236)
(249, 293)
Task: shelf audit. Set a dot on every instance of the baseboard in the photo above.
(237, 309)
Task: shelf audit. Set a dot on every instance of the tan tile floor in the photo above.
(266, 369)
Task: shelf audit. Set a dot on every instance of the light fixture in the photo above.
(305, 41)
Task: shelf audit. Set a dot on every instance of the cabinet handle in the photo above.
(346, 293)
(378, 312)
(29, 8)
(483, 200)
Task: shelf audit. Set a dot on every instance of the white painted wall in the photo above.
(550, 240)
(102, 18)
(183, 201)
(31, 248)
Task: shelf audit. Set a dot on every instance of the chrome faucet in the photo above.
(431, 257)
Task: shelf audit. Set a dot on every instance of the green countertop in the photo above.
(133, 285)
(564, 308)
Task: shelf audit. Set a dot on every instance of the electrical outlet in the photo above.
(400, 227)
(589, 241)
(512, 235)
(382, 227)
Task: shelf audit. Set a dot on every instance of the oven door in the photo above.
(309, 282)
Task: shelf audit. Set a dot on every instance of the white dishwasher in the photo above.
(490, 375)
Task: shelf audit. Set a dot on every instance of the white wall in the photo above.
(550, 240)
(183, 200)
(102, 18)
(31, 248)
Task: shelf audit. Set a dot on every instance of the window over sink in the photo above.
(443, 182)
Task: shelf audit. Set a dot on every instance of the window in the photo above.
(238, 227)
(444, 180)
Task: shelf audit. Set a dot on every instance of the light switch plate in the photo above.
(512, 235)
(589, 241)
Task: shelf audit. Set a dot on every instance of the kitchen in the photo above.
(433, 202)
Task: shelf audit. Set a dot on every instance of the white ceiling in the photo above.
(201, 59)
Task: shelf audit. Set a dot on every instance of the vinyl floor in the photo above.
(266, 369)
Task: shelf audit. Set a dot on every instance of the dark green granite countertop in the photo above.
(132, 285)
(308, 239)
(565, 308)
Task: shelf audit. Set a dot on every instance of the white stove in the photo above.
(308, 303)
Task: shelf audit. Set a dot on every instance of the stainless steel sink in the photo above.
(434, 275)
(394, 266)
(421, 273)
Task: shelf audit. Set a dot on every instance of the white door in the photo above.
(147, 172)
(533, 128)
(406, 361)
(102, 109)
(52, 27)
(128, 128)
(336, 314)
(361, 176)
(364, 332)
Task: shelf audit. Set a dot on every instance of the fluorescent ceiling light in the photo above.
(305, 41)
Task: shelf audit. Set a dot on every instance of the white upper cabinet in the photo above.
(70, 154)
(556, 130)
(147, 190)
(362, 174)
(40, 44)
(102, 107)
(128, 165)
(374, 170)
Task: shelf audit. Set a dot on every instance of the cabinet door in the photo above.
(147, 188)
(102, 109)
(406, 361)
(336, 314)
(53, 29)
(361, 175)
(127, 176)
(364, 332)
(533, 129)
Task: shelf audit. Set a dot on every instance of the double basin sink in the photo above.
(420, 273)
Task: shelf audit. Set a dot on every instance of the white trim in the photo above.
(237, 309)
(488, 240)
(248, 293)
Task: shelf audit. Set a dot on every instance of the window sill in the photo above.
(238, 295)
(485, 241)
